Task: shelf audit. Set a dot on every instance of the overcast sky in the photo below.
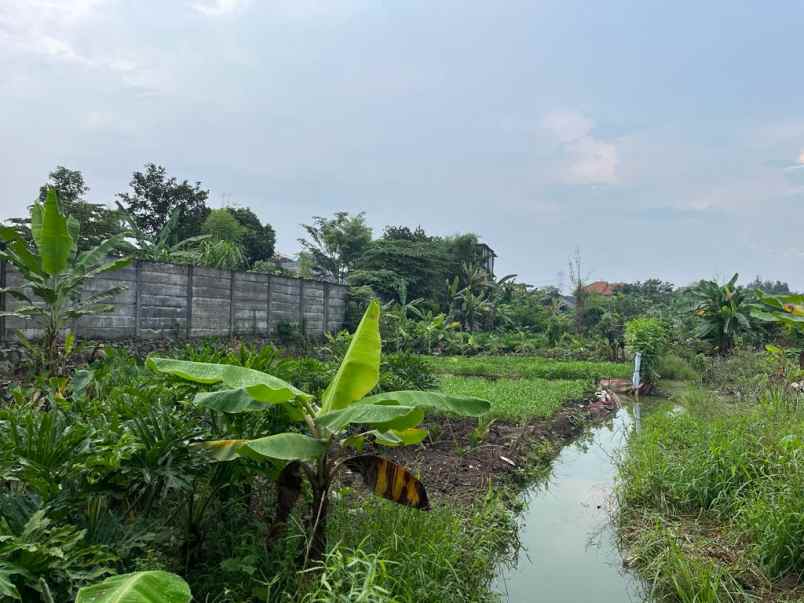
(665, 139)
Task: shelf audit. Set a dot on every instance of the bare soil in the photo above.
(459, 464)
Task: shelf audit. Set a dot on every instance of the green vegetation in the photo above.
(56, 273)
(519, 399)
(710, 498)
(391, 419)
(531, 367)
(647, 336)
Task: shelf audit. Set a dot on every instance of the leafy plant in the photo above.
(222, 254)
(139, 587)
(648, 336)
(55, 275)
(162, 248)
(723, 312)
(389, 418)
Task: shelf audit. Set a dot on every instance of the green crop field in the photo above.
(528, 367)
(519, 398)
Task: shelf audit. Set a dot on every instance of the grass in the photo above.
(519, 398)
(531, 367)
(710, 500)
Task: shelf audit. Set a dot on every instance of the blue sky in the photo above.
(662, 139)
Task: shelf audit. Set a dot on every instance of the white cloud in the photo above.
(216, 8)
(590, 160)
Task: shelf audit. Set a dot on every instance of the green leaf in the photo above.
(139, 587)
(359, 371)
(230, 401)
(52, 236)
(17, 251)
(462, 405)
(7, 587)
(260, 386)
(222, 450)
(336, 420)
(288, 447)
(405, 437)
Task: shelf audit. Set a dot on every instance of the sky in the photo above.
(661, 139)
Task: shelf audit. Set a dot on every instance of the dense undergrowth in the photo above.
(710, 497)
(98, 478)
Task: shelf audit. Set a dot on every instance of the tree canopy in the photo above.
(154, 195)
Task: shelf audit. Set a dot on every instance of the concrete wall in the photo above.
(169, 300)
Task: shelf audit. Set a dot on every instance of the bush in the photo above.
(673, 366)
(650, 337)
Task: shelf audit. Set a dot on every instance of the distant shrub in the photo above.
(673, 366)
(650, 337)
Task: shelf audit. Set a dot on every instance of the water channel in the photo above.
(569, 552)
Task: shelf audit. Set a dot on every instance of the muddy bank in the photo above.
(459, 460)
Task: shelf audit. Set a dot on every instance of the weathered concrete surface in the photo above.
(169, 300)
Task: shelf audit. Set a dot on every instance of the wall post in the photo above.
(325, 326)
(268, 308)
(231, 303)
(137, 297)
(188, 321)
(301, 306)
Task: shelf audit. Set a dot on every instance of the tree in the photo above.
(769, 287)
(578, 289)
(259, 240)
(221, 225)
(55, 272)
(98, 222)
(336, 244)
(723, 312)
(154, 196)
(345, 418)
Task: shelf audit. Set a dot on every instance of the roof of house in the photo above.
(602, 288)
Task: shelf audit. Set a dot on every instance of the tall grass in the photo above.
(737, 471)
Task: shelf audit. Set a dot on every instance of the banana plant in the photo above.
(723, 313)
(55, 274)
(160, 248)
(786, 310)
(331, 429)
(138, 587)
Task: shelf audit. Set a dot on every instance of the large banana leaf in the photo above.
(365, 413)
(288, 447)
(51, 234)
(462, 405)
(360, 369)
(139, 587)
(17, 251)
(232, 401)
(260, 386)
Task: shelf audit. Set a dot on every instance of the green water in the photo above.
(569, 549)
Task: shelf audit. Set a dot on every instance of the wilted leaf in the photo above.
(390, 480)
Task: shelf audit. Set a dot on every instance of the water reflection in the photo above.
(569, 547)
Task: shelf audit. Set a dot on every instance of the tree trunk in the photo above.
(318, 535)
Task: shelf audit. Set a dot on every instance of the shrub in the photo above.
(650, 337)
